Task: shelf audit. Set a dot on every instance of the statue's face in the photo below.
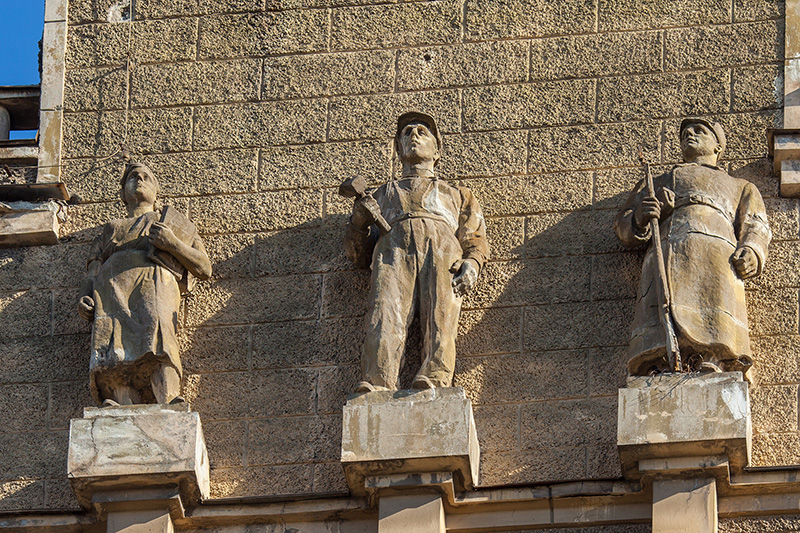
(698, 140)
(140, 187)
(418, 144)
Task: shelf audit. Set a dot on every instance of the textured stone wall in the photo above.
(771, 524)
(252, 114)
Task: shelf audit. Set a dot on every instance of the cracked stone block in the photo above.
(135, 447)
(410, 432)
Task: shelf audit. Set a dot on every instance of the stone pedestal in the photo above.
(683, 434)
(138, 466)
(684, 415)
(409, 432)
(406, 450)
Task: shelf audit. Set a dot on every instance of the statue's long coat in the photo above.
(137, 293)
(714, 215)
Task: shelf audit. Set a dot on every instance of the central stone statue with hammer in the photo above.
(425, 241)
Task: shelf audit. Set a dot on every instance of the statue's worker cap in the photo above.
(415, 116)
(716, 129)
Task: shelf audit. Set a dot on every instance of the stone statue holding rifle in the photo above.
(425, 241)
(690, 310)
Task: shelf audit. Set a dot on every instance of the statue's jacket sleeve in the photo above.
(471, 231)
(359, 244)
(714, 215)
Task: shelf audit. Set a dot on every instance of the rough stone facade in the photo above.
(251, 112)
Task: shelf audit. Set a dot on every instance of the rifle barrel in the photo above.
(673, 351)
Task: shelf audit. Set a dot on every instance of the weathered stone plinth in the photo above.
(138, 457)
(410, 432)
(683, 434)
(28, 228)
(684, 415)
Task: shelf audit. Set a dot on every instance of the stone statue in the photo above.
(714, 234)
(429, 258)
(137, 271)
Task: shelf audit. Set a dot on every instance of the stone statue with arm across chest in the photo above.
(137, 271)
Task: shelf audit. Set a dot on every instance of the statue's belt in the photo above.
(418, 214)
(700, 199)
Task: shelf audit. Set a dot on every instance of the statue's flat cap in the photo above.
(415, 116)
(715, 127)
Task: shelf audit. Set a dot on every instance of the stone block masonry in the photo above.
(251, 113)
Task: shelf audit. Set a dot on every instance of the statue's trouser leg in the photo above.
(439, 309)
(114, 389)
(391, 307)
(126, 395)
(166, 383)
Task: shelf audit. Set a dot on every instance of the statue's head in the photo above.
(138, 184)
(417, 138)
(701, 138)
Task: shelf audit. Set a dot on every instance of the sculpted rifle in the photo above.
(673, 352)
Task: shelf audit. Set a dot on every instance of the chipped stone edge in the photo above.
(54, 47)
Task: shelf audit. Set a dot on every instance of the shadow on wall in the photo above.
(271, 347)
(44, 351)
(543, 341)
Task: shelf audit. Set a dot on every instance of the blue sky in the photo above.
(21, 22)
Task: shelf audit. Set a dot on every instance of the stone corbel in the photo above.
(409, 452)
(784, 148)
(441, 483)
(137, 467)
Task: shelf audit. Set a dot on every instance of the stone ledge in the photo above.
(28, 228)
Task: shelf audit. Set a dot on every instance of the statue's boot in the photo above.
(366, 386)
(422, 383)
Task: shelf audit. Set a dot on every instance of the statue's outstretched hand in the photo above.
(745, 261)
(466, 275)
(86, 308)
